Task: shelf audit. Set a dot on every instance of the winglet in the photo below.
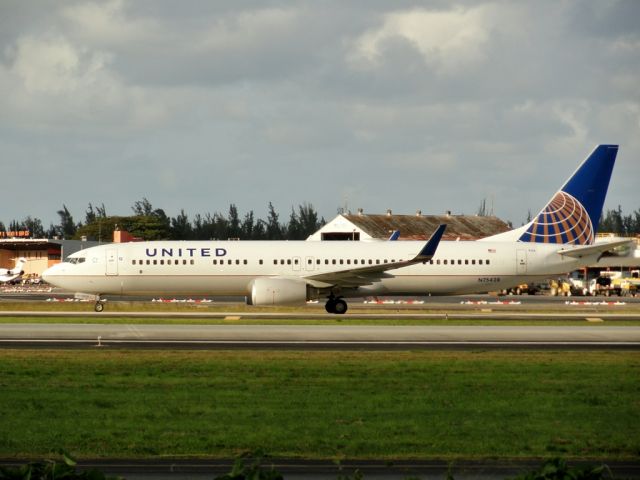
(394, 236)
(429, 250)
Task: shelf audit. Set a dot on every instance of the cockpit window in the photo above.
(75, 260)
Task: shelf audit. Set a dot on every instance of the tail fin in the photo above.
(573, 213)
(17, 269)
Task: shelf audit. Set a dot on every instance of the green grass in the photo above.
(393, 405)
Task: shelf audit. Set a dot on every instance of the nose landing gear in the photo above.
(99, 306)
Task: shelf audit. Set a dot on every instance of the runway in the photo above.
(317, 337)
(461, 313)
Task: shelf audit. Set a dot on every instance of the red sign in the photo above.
(18, 234)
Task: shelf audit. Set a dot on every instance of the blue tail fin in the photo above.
(572, 215)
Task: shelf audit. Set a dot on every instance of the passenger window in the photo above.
(244, 261)
(237, 262)
(281, 262)
(155, 262)
(288, 261)
(341, 262)
(215, 262)
(377, 261)
(487, 262)
(466, 262)
(333, 261)
(184, 262)
(370, 262)
(133, 262)
(480, 262)
(348, 261)
(473, 262)
(445, 262)
(176, 262)
(260, 261)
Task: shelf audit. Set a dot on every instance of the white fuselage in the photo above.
(229, 267)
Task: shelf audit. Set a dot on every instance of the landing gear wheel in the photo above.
(330, 306)
(340, 307)
(99, 306)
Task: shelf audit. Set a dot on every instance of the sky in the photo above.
(194, 105)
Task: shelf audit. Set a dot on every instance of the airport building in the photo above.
(411, 227)
(40, 253)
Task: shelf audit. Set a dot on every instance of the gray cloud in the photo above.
(400, 105)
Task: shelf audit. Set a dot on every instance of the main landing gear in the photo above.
(335, 305)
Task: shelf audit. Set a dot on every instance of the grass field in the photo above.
(329, 405)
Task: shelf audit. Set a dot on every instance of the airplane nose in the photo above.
(49, 273)
(46, 274)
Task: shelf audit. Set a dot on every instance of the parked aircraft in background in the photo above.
(558, 240)
(8, 275)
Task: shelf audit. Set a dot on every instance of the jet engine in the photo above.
(277, 291)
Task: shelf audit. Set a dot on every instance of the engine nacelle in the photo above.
(277, 291)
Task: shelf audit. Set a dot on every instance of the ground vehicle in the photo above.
(560, 287)
(616, 283)
(523, 289)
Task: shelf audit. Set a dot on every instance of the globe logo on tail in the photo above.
(564, 220)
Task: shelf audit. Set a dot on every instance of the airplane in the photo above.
(558, 240)
(7, 275)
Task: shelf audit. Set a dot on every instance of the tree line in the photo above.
(150, 223)
(614, 221)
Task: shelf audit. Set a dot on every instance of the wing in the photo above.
(355, 277)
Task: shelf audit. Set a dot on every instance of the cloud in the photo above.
(54, 66)
(57, 84)
(448, 40)
(199, 104)
(108, 24)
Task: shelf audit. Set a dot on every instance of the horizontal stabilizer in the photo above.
(591, 250)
